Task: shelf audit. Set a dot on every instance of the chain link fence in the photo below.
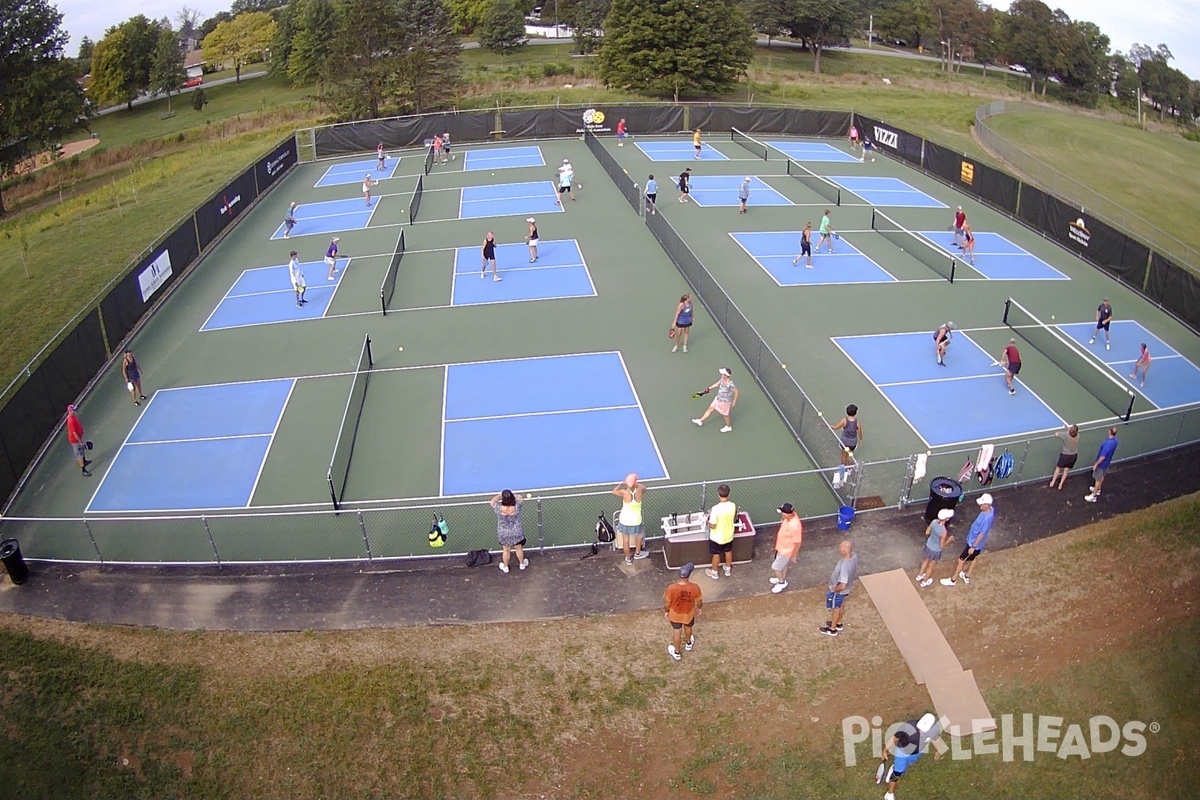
(1058, 183)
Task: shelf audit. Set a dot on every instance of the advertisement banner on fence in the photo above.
(274, 166)
(154, 276)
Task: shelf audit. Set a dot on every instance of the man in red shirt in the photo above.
(1010, 359)
(960, 219)
(621, 133)
(681, 604)
(75, 438)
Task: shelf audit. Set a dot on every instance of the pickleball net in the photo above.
(428, 159)
(918, 247)
(817, 183)
(343, 446)
(1072, 360)
(414, 205)
(388, 288)
(749, 142)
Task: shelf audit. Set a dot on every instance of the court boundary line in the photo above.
(201, 439)
(937, 245)
(761, 266)
(324, 315)
(270, 443)
(551, 413)
(442, 432)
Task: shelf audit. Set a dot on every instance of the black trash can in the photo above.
(943, 493)
(14, 562)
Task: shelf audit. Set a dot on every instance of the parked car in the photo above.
(193, 82)
(1018, 68)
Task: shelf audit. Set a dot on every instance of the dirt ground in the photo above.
(757, 659)
(45, 159)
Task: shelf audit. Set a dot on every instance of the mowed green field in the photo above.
(1156, 175)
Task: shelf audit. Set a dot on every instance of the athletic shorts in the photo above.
(932, 555)
(1104, 324)
(653, 198)
(564, 189)
(1066, 461)
(79, 449)
(781, 562)
(1014, 367)
(631, 530)
(683, 327)
(715, 549)
(688, 624)
(835, 601)
(850, 447)
(331, 261)
(684, 189)
(805, 248)
(1098, 474)
(968, 554)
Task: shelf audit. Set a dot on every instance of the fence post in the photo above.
(910, 472)
(362, 527)
(541, 532)
(211, 542)
(95, 546)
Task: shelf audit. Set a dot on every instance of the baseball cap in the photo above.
(71, 407)
(530, 219)
(566, 161)
(950, 324)
(337, 238)
(786, 508)
(686, 569)
(945, 514)
(960, 208)
(724, 371)
(985, 499)
(747, 179)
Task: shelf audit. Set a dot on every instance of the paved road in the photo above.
(150, 98)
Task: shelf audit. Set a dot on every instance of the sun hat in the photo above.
(530, 219)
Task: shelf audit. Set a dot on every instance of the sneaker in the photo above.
(524, 563)
(712, 573)
(1092, 340)
(143, 397)
(774, 580)
(947, 582)
(964, 577)
(926, 583)
(727, 429)
(690, 643)
(497, 278)
(920, 577)
(697, 422)
(838, 627)
(675, 349)
(808, 265)
(1108, 345)
(503, 567)
(889, 796)
(779, 587)
(1091, 498)
(640, 554)
(1091, 489)
(87, 474)
(628, 561)
(828, 631)
(795, 262)
(330, 277)
(685, 348)
(1012, 391)
(137, 403)
(673, 653)
(728, 570)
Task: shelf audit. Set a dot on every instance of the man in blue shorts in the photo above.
(840, 581)
(908, 745)
(1104, 457)
(976, 541)
(1104, 314)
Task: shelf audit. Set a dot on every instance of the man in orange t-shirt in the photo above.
(681, 604)
(787, 546)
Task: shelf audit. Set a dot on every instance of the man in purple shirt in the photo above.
(976, 541)
(1104, 457)
(331, 256)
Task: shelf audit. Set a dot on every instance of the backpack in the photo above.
(604, 530)
(964, 474)
(479, 558)
(1004, 465)
(439, 532)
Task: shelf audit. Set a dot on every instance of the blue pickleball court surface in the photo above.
(507, 199)
(774, 251)
(964, 401)
(811, 151)
(680, 151)
(543, 423)
(996, 258)
(503, 158)
(721, 190)
(201, 447)
(559, 272)
(349, 172)
(264, 295)
(1172, 381)
(330, 216)
(886, 191)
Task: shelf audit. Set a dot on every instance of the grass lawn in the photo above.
(593, 708)
(1154, 174)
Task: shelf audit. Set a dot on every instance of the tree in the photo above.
(769, 17)
(431, 68)
(281, 42)
(189, 25)
(121, 61)
(503, 29)
(675, 47)
(209, 25)
(167, 73)
(586, 18)
(312, 45)
(40, 99)
(241, 39)
(1081, 60)
(363, 65)
(240, 7)
(469, 15)
(821, 23)
(199, 100)
(83, 62)
(910, 20)
(1029, 39)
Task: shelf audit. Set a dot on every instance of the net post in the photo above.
(838, 200)
(873, 227)
(332, 491)
(367, 344)
(953, 266)
(1129, 410)
(1007, 305)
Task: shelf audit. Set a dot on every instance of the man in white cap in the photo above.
(566, 177)
(976, 541)
(960, 219)
(743, 194)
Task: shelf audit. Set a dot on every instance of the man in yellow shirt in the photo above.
(720, 532)
(696, 142)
